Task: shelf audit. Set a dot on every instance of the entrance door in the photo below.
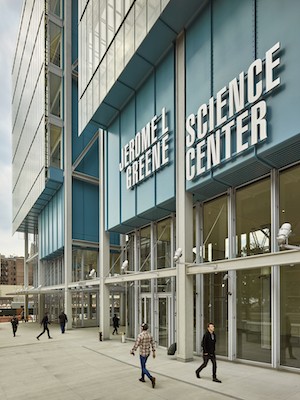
(164, 322)
(146, 310)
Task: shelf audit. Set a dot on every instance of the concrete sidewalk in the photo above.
(77, 366)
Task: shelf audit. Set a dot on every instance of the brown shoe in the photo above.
(153, 382)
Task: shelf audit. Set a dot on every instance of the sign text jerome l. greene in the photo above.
(147, 152)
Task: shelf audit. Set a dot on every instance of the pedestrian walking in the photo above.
(45, 322)
(115, 324)
(209, 344)
(145, 342)
(14, 323)
(63, 319)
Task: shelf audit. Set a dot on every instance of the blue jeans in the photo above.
(143, 361)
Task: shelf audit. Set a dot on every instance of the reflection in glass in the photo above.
(55, 7)
(163, 247)
(55, 44)
(253, 218)
(83, 262)
(215, 230)
(55, 94)
(289, 200)
(163, 321)
(290, 316)
(216, 309)
(254, 314)
(55, 146)
(145, 256)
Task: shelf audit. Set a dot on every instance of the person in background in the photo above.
(115, 324)
(14, 323)
(45, 322)
(145, 342)
(209, 343)
(63, 319)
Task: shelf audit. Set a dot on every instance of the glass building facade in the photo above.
(176, 142)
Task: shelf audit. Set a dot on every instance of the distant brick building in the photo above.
(12, 271)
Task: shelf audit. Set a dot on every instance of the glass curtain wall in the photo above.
(163, 252)
(215, 234)
(253, 218)
(110, 31)
(254, 314)
(253, 221)
(145, 256)
(290, 316)
(289, 198)
(83, 262)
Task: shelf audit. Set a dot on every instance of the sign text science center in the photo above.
(238, 112)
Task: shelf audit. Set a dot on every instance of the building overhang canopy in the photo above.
(53, 182)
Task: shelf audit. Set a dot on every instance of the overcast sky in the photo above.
(10, 11)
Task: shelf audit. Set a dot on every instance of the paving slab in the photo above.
(77, 366)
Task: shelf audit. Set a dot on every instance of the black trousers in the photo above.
(45, 329)
(206, 358)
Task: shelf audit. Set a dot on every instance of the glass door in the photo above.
(164, 320)
(146, 310)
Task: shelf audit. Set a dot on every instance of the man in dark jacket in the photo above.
(45, 322)
(63, 319)
(209, 344)
(14, 323)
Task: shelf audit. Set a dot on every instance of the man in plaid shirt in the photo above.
(145, 342)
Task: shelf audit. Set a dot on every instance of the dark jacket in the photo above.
(45, 321)
(62, 318)
(116, 322)
(209, 342)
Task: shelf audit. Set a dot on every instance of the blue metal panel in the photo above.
(51, 225)
(233, 38)
(74, 31)
(241, 34)
(60, 219)
(127, 132)
(113, 175)
(144, 113)
(90, 163)
(198, 62)
(165, 89)
(114, 239)
(85, 211)
(284, 105)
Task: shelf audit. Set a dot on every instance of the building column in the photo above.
(68, 157)
(275, 272)
(26, 281)
(41, 297)
(231, 298)
(184, 220)
(104, 250)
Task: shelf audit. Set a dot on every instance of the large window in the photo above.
(216, 309)
(145, 256)
(254, 314)
(55, 44)
(55, 95)
(145, 249)
(55, 146)
(289, 199)
(163, 251)
(253, 219)
(215, 230)
(83, 262)
(290, 316)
